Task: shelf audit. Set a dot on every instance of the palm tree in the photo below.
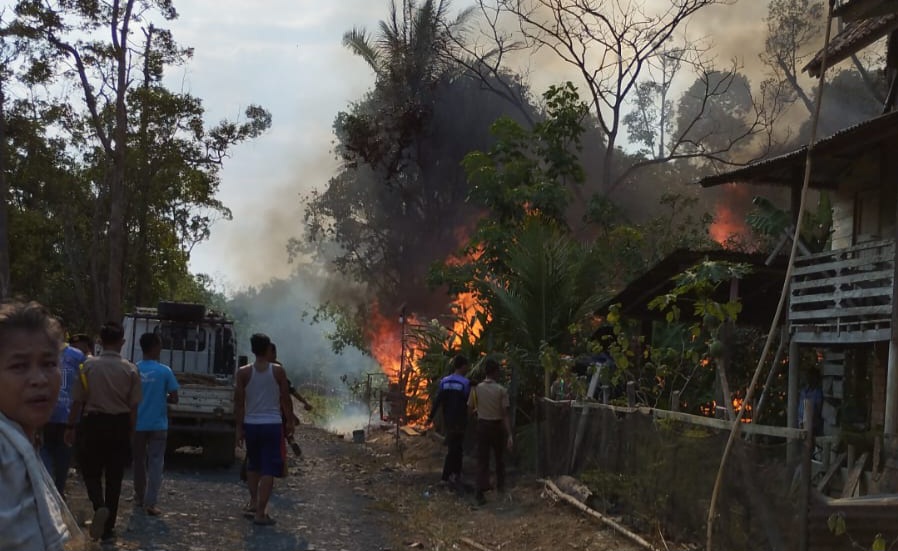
(547, 290)
(408, 54)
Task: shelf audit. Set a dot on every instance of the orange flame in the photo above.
(738, 403)
(390, 345)
(385, 341)
(729, 216)
(467, 307)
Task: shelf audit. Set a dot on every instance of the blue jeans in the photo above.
(149, 460)
(56, 455)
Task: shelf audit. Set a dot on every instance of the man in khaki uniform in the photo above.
(490, 400)
(108, 392)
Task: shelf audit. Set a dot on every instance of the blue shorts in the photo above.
(263, 449)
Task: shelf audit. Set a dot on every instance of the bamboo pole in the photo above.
(617, 527)
(734, 432)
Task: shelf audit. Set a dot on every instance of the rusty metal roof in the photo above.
(759, 290)
(852, 10)
(831, 155)
(856, 36)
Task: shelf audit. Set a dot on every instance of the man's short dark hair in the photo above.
(79, 338)
(149, 342)
(259, 344)
(111, 333)
(459, 362)
(491, 367)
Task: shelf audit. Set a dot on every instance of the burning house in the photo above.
(842, 300)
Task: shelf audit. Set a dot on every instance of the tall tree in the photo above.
(612, 45)
(140, 163)
(398, 201)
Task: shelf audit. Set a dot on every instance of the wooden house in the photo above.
(841, 301)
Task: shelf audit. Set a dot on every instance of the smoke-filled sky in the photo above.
(287, 56)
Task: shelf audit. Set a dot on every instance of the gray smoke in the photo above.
(282, 309)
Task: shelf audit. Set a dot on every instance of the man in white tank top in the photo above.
(261, 399)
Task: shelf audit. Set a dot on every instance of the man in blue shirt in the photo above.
(160, 388)
(452, 398)
(57, 456)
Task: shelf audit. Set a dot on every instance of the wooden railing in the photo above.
(843, 296)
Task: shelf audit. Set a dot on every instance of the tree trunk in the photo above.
(117, 236)
(4, 207)
(143, 193)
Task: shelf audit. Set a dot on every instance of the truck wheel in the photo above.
(219, 450)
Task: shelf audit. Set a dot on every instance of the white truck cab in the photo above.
(200, 348)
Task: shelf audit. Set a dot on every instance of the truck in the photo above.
(200, 347)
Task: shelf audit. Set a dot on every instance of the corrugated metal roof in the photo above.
(852, 10)
(856, 36)
(759, 291)
(787, 169)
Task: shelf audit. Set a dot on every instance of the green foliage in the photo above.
(816, 227)
(64, 160)
(682, 347)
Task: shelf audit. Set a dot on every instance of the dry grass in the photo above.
(527, 518)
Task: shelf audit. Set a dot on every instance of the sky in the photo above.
(287, 56)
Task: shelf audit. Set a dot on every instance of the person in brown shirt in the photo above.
(490, 400)
(108, 392)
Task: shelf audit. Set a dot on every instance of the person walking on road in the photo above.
(159, 388)
(273, 358)
(108, 392)
(33, 516)
(260, 395)
(490, 400)
(452, 399)
(56, 455)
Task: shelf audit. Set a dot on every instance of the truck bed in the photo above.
(195, 400)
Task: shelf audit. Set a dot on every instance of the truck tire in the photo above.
(218, 450)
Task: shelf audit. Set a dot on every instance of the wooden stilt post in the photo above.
(805, 489)
(792, 397)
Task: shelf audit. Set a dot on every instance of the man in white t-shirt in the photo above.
(261, 396)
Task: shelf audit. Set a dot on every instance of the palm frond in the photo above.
(359, 42)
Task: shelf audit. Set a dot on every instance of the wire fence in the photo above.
(655, 469)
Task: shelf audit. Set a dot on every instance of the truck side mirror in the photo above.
(242, 360)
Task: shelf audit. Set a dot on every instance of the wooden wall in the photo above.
(858, 203)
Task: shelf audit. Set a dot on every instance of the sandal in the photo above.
(249, 512)
(265, 521)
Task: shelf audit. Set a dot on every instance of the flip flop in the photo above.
(267, 521)
(98, 524)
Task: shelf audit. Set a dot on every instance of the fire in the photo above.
(738, 403)
(467, 325)
(385, 341)
(729, 216)
(468, 309)
(390, 345)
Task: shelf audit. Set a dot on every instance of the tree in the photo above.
(547, 288)
(612, 46)
(651, 120)
(398, 201)
(140, 163)
(794, 32)
(793, 26)
(713, 113)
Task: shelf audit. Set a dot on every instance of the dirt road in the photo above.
(343, 496)
(318, 507)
